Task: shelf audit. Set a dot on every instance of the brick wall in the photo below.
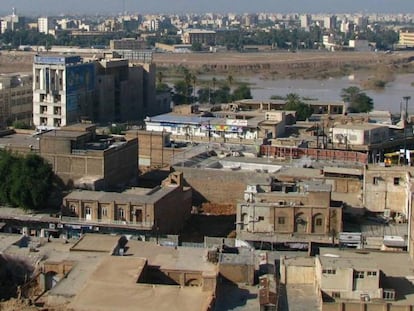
(216, 186)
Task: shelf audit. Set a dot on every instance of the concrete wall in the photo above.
(172, 211)
(152, 147)
(381, 192)
(297, 275)
(237, 273)
(256, 217)
(121, 164)
(217, 186)
(359, 306)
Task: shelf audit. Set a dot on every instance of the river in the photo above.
(389, 98)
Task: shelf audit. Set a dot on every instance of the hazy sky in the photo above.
(47, 7)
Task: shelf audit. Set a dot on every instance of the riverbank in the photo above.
(276, 65)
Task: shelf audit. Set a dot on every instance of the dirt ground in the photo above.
(284, 64)
(218, 209)
(273, 64)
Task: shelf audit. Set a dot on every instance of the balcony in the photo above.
(108, 223)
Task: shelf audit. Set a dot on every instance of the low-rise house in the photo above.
(278, 208)
(80, 157)
(163, 209)
(236, 127)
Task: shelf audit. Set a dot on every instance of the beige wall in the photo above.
(238, 273)
(173, 210)
(255, 217)
(293, 274)
(381, 193)
(344, 282)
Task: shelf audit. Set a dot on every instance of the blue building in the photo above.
(63, 90)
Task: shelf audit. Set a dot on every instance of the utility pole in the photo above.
(406, 98)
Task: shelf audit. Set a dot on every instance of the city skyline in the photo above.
(49, 7)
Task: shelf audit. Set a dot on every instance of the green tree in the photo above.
(196, 47)
(222, 95)
(26, 182)
(357, 100)
(242, 92)
(182, 92)
(163, 87)
(160, 77)
(204, 94)
(294, 103)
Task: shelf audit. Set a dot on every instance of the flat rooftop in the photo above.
(96, 243)
(19, 140)
(170, 258)
(136, 195)
(397, 267)
(113, 286)
(364, 126)
(300, 261)
(64, 133)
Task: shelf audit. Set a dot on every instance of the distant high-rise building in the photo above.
(154, 24)
(44, 25)
(16, 97)
(361, 22)
(346, 26)
(67, 89)
(63, 90)
(406, 37)
(205, 37)
(305, 21)
(329, 22)
(10, 22)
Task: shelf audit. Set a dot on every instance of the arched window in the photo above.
(121, 214)
(318, 223)
(301, 223)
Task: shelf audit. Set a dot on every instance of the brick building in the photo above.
(303, 208)
(80, 157)
(164, 209)
(16, 99)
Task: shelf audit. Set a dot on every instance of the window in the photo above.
(261, 218)
(104, 212)
(396, 181)
(359, 274)
(281, 220)
(371, 273)
(389, 294)
(318, 222)
(328, 271)
(375, 180)
(336, 295)
(121, 214)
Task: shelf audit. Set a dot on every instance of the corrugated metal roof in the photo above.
(180, 119)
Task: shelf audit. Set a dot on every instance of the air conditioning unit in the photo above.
(365, 297)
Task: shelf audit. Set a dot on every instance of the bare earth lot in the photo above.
(286, 64)
(294, 65)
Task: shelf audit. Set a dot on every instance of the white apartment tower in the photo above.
(305, 21)
(329, 22)
(43, 25)
(63, 90)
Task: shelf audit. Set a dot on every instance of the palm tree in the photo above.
(160, 77)
(194, 79)
(230, 80)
